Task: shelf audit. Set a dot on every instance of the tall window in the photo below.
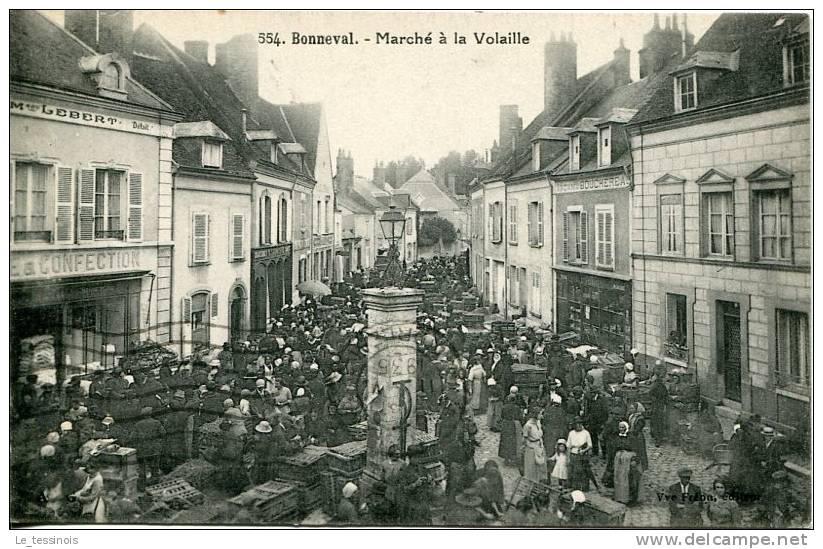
(671, 223)
(604, 236)
(719, 218)
(199, 238)
(793, 367)
(574, 152)
(513, 221)
(575, 236)
(685, 92)
(283, 220)
(676, 345)
(774, 224)
(605, 149)
(30, 197)
(212, 154)
(318, 228)
(797, 63)
(534, 304)
(265, 219)
(497, 221)
(326, 217)
(535, 213)
(107, 197)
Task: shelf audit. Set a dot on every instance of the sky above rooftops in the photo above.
(384, 102)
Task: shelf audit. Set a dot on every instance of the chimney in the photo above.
(560, 74)
(622, 65)
(345, 171)
(237, 61)
(511, 124)
(662, 45)
(105, 31)
(199, 49)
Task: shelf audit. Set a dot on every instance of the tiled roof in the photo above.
(294, 122)
(42, 52)
(586, 124)
(292, 148)
(433, 196)
(261, 135)
(552, 132)
(204, 128)
(618, 115)
(759, 38)
(722, 60)
(353, 202)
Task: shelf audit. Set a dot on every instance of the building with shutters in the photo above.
(91, 204)
(721, 237)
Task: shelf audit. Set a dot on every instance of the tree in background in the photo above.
(436, 230)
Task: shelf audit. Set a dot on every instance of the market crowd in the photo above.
(303, 382)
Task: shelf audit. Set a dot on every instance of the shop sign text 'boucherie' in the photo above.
(45, 264)
(591, 184)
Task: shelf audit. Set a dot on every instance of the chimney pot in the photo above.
(656, 21)
(674, 22)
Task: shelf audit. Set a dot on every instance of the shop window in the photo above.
(718, 224)
(774, 221)
(792, 368)
(30, 210)
(685, 92)
(212, 154)
(671, 224)
(676, 345)
(796, 63)
(575, 235)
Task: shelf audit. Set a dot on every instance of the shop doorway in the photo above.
(200, 321)
(728, 313)
(237, 306)
(36, 337)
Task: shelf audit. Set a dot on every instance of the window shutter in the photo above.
(601, 238)
(609, 239)
(584, 237)
(200, 237)
(64, 207)
(12, 183)
(186, 310)
(566, 236)
(236, 244)
(135, 227)
(530, 222)
(215, 300)
(85, 208)
(540, 223)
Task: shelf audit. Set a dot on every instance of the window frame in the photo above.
(679, 94)
(535, 156)
(193, 260)
(48, 223)
(512, 222)
(705, 226)
(574, 153)
(604, 145)
(122, 203)
(680, 221)
(580, 244)
(210, 144)
(792, 385)
(789, 64)
(535, 295)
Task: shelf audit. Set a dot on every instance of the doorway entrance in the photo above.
(729, 354)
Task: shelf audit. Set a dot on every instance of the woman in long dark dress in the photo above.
(554, 424)
(511, 431)
(637, 424)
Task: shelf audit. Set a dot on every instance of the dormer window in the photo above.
(536, 156)
(212, 154)
(109, 73)
(605, 146)
(796, 67)
(685, 92)
(574, 152)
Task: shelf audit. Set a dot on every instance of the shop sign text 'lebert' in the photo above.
(85, 118)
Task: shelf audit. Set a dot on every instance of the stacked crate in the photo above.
(302, 470)
(176, 493)
(345, 464)
(118, 467)
(274, 501)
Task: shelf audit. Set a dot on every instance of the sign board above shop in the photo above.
(591, 184)
(46, 111)
(48, 264)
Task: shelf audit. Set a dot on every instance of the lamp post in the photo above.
(392, 223)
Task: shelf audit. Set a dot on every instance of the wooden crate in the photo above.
(436, 471)
(359, 431)
(197, 472)
(503, 327)
(118, 464)
(349, 458)
(306, 464)
(175, 490)
(312, 493)
(271, 501)
(333, 483)
(430, 444)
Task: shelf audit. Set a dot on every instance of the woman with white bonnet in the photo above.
(346, 509)
(630, 378)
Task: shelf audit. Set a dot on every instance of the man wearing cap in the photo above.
(770, 452)
(414, 490)
(685, 501)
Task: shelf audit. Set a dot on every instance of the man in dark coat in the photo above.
(685, 502)
(148, 437)
(659, 410)
(175, 422)
(596, 413)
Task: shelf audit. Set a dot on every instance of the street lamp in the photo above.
(393, 223)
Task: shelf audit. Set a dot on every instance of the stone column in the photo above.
(392, 364)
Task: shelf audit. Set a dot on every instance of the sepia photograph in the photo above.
(335, 269)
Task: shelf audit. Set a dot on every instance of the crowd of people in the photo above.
(303, 382)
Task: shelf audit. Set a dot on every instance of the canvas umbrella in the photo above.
(313, 288)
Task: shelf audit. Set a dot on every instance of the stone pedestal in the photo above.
(392, 370)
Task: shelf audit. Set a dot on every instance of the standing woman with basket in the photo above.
(534, 454)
